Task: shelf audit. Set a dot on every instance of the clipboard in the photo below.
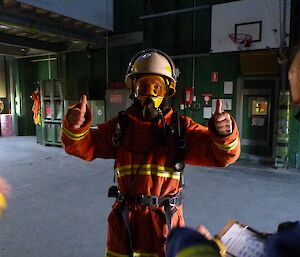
(241, 240)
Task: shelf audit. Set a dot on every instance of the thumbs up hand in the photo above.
(222, 120)
(76, 115)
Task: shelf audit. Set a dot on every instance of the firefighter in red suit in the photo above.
(150, 145)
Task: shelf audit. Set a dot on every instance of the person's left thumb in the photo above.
(218, 106)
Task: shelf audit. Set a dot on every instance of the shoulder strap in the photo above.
(122, 121)
(179, 132)
(177, 124)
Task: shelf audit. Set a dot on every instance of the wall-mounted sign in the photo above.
(116, 98)
(258, 122)
(259, 107)
(228, 88)
(206, 97)
(207, 112)
(189, 95)
(214, 76)
(226, 105)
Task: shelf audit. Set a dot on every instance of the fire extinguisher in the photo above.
(189, 95)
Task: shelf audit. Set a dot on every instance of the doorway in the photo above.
(257, 117)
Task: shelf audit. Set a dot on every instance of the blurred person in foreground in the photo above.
(5, 189)
(187, 242)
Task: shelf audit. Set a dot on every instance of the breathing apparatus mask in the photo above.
(151, 77)
(150, 92)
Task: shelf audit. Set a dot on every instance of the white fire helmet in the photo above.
(152, 61)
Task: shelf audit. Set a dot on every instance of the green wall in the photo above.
(181, 35)
(294, 139)
(227, 67)
(27, 75)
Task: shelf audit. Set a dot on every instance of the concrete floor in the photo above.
(59, 203)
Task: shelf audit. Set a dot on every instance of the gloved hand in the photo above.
(222, 120)
(204, 231)
(76, 116)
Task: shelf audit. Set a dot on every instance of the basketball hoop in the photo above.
(241, 40)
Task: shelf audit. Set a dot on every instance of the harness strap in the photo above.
(179, 133)
(125, 216)
(149, 200)
(169, 215)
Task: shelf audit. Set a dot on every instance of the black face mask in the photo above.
(148, 111)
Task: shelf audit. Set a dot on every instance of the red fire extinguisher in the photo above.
(189, 95)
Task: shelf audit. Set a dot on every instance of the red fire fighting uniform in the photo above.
(141, 151)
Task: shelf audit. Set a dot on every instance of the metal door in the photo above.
(256, 124)
(256, 116)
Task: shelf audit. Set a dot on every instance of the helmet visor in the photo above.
(150, 85)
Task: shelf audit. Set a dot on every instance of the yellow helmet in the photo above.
(152, 61)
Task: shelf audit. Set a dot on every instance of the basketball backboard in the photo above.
(261, 19)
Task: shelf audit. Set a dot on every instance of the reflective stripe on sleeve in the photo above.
(113, 254)
(200, 250)
(135, 254)
(228, 147)
(74, 136)
(148, 170)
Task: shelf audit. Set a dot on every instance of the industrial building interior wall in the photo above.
(185, 36)
(26, 75)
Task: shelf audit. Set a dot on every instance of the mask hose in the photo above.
(163, 123)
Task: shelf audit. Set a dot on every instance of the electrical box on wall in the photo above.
(189, 95)
(116, 100)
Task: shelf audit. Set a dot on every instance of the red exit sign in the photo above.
(214, 76)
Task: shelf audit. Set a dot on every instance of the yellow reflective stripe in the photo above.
(113, 254)
(147, 170)
(147, 166)
(221, 246)
(144, 254)
(74, 136)
(200, 250)
(228, 147)
(135, 254)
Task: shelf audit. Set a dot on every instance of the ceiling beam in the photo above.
(32, 43)
(21, 19)
(126, 39)
(12, 50)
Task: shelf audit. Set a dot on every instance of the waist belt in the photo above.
(168, 202)
(150, 200)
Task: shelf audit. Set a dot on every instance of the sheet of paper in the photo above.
(242, 242)
(206, 112)
(228, 88)
(226, 105)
